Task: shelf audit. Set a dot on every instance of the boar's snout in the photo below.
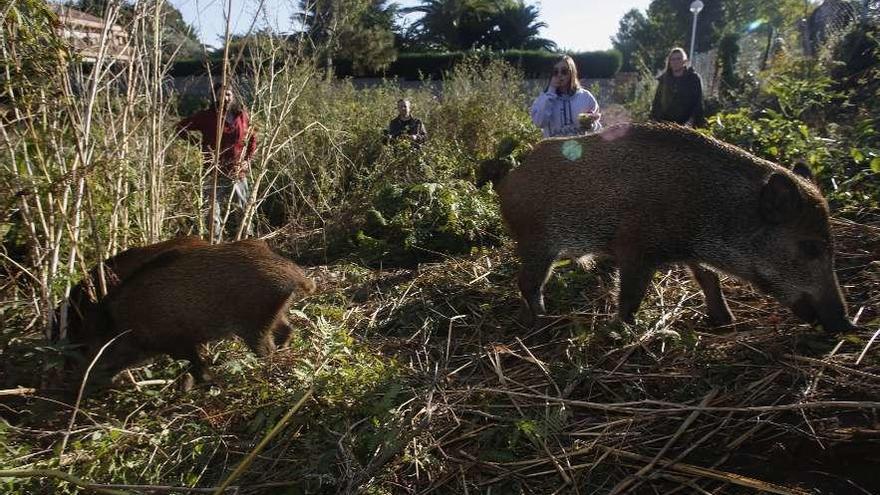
(803, 309)
(830, 314)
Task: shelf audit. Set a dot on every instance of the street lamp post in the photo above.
(696, 7)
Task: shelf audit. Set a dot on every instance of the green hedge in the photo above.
(184, 68)
(533, 63)
(433, 65)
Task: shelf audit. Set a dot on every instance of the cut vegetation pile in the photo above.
(421, 381)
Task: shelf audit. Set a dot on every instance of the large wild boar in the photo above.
(184, 298)
(649, 194)
(84, 295)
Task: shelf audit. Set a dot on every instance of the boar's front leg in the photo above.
(120, 355)
(533, 274)
(198, 373)
(634, 280)
(716, 306)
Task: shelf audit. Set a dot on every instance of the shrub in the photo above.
(770, 135)
(858, 50)
(420, 221)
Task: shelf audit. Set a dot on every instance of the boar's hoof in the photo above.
(629, 319)
(187, 382)
(190, 381)
(719, 319)
(526, 317)
(529, 319)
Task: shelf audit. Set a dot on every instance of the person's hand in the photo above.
(241, 169)
(588, 120)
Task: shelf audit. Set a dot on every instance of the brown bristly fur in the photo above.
(184, 298)
(650, 194)
(84, 295)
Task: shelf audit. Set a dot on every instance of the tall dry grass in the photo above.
(93, 166)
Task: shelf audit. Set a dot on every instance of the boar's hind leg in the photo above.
(533, 274)
(262, 342)
(282, 332)
(716, 306)
(634, 280)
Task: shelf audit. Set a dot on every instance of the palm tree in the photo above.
(464, 24)
(453, 24)
(516, 25)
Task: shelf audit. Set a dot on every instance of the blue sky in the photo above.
(572, 24)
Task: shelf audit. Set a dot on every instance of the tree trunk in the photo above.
(771, 34)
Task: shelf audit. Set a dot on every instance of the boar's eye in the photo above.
(812, 249)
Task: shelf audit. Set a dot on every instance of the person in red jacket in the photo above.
(237, 145)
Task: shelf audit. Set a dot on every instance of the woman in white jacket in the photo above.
(556, 110)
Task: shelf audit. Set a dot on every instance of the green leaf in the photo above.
(875, 164)
(805, 132)
(857, 155)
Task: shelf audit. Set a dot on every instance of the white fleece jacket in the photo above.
(557, 115)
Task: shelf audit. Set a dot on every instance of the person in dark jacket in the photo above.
(679, 96)
(237, 145)
(405, 125)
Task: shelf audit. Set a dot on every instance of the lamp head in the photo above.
(696, 7)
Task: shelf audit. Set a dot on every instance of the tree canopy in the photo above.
(359, 30)
(645, 39)
(467, 24)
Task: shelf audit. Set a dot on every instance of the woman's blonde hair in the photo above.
(672, 52)
(573, 83)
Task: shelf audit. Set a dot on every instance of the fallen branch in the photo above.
(867, 346)
(148, 383)
(671, 407)
(52, 473)
(625, 484)
(735, 479)
(18, 391)
(82, 388)
(242, 467)
(838, 367)
(115, 489)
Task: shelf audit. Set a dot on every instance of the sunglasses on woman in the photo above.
(563, 71)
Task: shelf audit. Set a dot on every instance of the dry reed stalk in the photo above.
(640, 474)
(714, 474)
(17, 391)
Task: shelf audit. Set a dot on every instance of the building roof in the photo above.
(65, 13)
(83, 32)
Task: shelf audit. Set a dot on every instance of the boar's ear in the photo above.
(493, 170)
(780, 200)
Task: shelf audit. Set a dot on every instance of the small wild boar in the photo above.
(184, 298)
(84, 295)
(649, 194)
